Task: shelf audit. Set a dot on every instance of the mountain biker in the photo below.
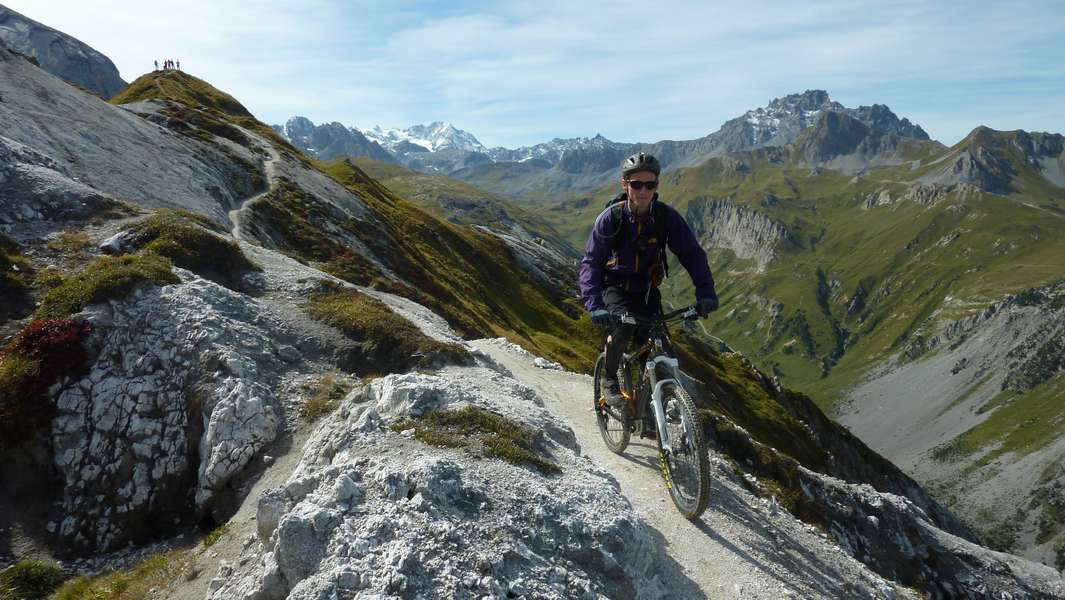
(624, 261)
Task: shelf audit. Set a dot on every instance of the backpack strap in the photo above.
(617, 214)
(661, 228)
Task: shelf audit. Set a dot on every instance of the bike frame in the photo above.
(658, 356)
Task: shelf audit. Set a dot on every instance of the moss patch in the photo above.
(15, 278)
(324, 398)
(183, 237)
(48, 278)
(104, 279)
(70, 243)
(151, 573)
(30, 579)
(41, 354)
(391, 342)
(216, 534)
(479, 431)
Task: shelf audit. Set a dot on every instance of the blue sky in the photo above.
(520, 73)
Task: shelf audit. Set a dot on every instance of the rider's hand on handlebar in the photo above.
(705, 306)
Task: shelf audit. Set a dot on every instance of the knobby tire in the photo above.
(688, 469)
(613, 427)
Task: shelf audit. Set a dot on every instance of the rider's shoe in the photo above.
(612, 393)
(648, 430)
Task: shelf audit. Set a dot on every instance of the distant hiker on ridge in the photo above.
(625, 260)
(156, 65)
(179, 65)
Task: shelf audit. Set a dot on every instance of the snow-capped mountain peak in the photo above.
(552, 151)
(435, 136)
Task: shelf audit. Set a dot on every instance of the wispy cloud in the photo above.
(515, 74)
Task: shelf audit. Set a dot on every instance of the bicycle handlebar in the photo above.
(689, 313)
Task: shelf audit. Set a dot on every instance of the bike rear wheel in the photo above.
(687, 467)
(614, 425)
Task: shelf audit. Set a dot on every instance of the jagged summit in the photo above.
(59, 54)
(879, 116)
(805, 106)
(780, 121)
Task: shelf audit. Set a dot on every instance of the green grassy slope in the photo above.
(454, 200)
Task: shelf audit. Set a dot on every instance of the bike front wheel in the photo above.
(686, 466)
(613, 424)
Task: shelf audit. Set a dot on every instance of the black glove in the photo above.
(603, 318)
(705, 306)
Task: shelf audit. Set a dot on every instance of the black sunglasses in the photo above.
(639, 185)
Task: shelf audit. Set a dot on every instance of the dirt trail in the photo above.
(742, 547)
(270, 169)
(241, 527)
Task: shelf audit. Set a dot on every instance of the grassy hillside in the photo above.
(467, 276)
(210, 108)
(182, 88)
(454, 200)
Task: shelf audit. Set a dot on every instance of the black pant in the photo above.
(644, 305)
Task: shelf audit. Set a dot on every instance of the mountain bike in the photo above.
(659, 407)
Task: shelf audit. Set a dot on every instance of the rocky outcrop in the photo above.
(34, 187)
(925, 194)
(177, 401)
(550, 263)
(751, 235)
(373, 512)
(60, 54)
(1044, 151)
(893, 535)
(979, 167)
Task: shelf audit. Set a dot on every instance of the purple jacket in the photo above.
(629, 266)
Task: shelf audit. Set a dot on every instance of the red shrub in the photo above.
(54, 343)
(42, 353)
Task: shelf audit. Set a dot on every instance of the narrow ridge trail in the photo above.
(270, 171)
(741, 547)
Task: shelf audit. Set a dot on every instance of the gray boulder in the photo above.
(59, 54)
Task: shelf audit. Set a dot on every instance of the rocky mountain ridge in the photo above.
(59, 54)
(565, 166)
(330, 140)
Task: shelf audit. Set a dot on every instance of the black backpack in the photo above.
(658, 209)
